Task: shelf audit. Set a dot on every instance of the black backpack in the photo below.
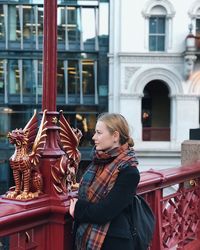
(142, 222)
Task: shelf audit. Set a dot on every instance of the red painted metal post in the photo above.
(50, 76)
(58, 230)
(55, 223)
(50, 55)
(52, 150)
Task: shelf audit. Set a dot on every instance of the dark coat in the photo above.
(114, 208)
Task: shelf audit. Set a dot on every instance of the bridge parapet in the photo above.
(173, 194)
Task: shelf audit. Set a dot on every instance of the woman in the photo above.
(102, 210)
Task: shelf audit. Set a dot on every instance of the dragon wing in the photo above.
(40, 140)
(31, 130)
(69, 138)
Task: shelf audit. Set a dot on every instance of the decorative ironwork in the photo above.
(29, 144)
(65, 169)
(180, 217)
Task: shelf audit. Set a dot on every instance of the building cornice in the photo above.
(154, 58)
(130, 96)
(185, 97)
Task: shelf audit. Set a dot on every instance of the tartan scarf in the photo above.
(95, 185)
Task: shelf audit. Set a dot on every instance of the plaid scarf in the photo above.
(95, 185)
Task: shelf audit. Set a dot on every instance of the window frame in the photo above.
(156, 34)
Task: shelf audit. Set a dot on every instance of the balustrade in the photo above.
(173, 194)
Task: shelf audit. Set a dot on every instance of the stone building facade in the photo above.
(154, 77)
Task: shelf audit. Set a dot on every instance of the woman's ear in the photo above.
(116, 136)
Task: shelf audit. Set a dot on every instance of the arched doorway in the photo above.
(156, 112)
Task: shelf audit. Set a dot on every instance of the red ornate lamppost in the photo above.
(45, 161)
(55, 147)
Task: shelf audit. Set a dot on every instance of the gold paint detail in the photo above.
(28, 237)
(55, 120)
(193, 183)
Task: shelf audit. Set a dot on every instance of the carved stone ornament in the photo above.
(189, 65)
(129, 72)
(65, 169)
(29, 144)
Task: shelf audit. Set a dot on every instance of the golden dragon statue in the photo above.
(29, 144)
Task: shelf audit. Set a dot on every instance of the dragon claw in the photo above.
(26, 195)
(12, 195)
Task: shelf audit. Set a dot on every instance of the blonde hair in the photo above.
(116, 122)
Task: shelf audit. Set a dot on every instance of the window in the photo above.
(89, 32)
(28, 77)
(2, 25)
(14, 23)
(194, 14)
(86, 123)
(61, 23)
(14, 77)
(60, 78)
(73, 77)
(158, 22)
(21, 76)
(88, 77)
(40, 77)
(29, 26)
(2, 76)
(198, 27)
(40, 23)
(157, 33)
(73, 24)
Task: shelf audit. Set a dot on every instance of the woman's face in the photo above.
(103, 139)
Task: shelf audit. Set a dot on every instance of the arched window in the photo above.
(194, 13)
(158, 18)
(156, 112)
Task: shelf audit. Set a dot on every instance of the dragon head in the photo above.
(18, 137)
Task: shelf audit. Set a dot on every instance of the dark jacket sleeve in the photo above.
(113, 204)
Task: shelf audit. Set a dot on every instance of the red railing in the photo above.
(174, 195)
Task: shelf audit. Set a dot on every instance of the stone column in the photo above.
(190, 152)
(130, 107)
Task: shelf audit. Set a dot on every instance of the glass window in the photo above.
(40, 23)
(37, 1)
(2, 24)
(61, 24)
(198, 27)
(28, 77)
(29, 1)
(4, 124)
(40, 77)
(103, 19)
(86, 123)
(14, 23)
(2, 73)
(13, 77)
(88, 17)
(11, 118)
(29, 26)
(73, 77)
(73, 24)
(88, 77)
(157, 33)
(60, 78)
